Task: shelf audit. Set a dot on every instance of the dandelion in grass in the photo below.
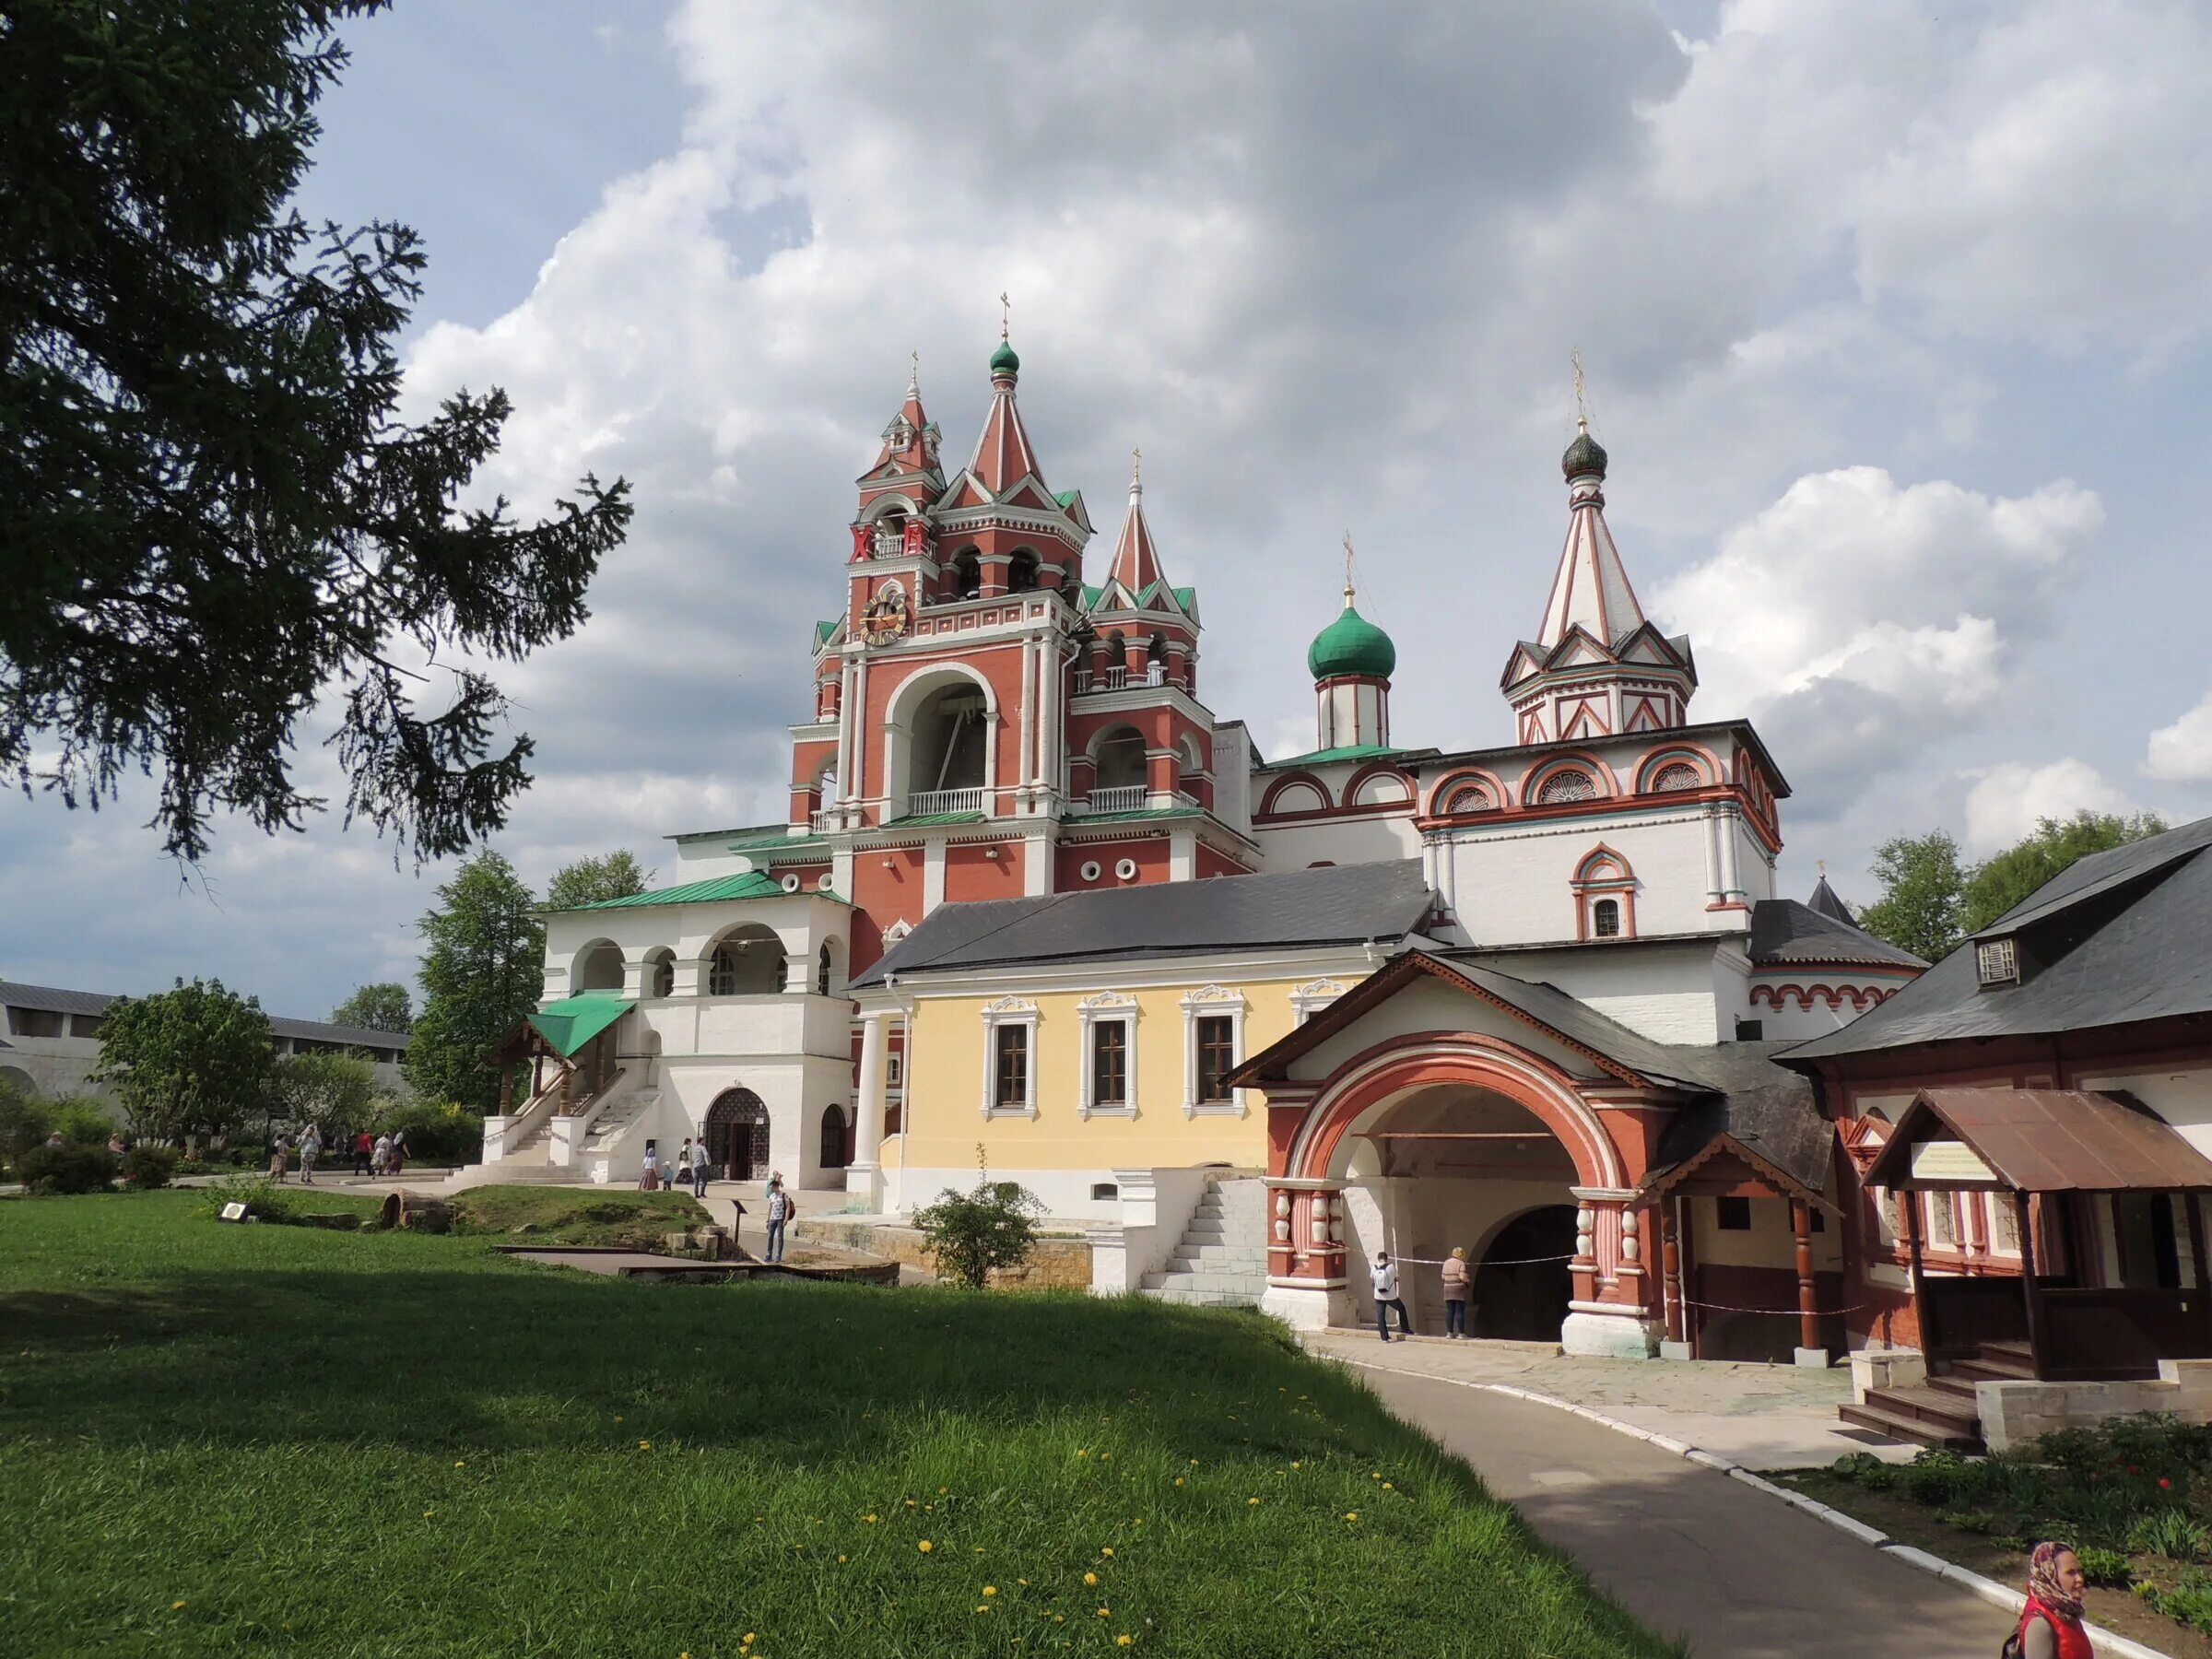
(176, 1606)
(1388, 1487)
(460, 1463)
(925, 1546)
(1105, 1612)
(1021, 1580)
(1254, 1502)
(869, 1518)
(1091, 1578)
(1352, 1514)
(1178, 1480)
(841, 1560)
(644, 1445)
(990, 1590)
(1123, 1640)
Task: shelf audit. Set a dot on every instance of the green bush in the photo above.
(2107, 1567)
(970, 1233)
(2172, 1533)
(2188, 1600)
(1973, 1521)
(262, 1198)
(66, 1169)
(1937, 1477)
(1863, 1468)
(438, 1131)
(146, 1168)
(83, 1120)
(23, 1124)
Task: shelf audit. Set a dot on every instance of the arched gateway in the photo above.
(1431, 1108)
(736, 1135)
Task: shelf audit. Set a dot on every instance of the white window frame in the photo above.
(1108, 1007)
(1006, 1011)
(1212, 1001)
(1312, 997)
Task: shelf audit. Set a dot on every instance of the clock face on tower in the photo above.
(886, 616)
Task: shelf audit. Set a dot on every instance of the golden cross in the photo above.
(1347, 567)
(1136, 468)
(1581, 402)
(1005, 315)
(913, 372)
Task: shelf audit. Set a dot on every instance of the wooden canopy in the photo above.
(2035, 1140)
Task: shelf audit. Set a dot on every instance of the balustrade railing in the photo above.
(948, 800)
(1122, 797)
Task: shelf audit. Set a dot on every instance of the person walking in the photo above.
(679, 1173)
(364, 1153)
(280, 1152)
(2051, 1625)
(1387, 1297)
(648, 1178)
(779, 1214)
(311, 1148)
(698, 1169)
(380, 1156)
(1458, 1279)
(395, 1156)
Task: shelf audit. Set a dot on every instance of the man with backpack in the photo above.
(778, 1212)
(1387, 1297)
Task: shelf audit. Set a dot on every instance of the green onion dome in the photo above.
(1351, 644)
(1583, 455)
(1004, 361)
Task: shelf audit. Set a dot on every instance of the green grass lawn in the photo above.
(269, 1440)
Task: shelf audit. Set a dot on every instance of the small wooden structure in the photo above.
(2070, 1162)
(577, 1034)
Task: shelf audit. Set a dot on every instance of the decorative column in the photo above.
(862, 1175)
(1608, 1314)
(1810, 1352)
(1675, 1344)
(1305, 1250)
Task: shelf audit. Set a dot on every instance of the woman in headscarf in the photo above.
(2050, 1624)
(1456, 1279)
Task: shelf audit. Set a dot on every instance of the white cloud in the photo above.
(1867, 619)
(2007, 802)
(2182, 753)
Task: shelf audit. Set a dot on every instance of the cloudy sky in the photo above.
(1894, 318)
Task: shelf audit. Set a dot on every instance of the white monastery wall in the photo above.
(1663, 991)
(1339, 840)
(1512, 885)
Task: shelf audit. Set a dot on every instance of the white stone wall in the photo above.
(1339, 840)
(1512, 884)
(1666, 992)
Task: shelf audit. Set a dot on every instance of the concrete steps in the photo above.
(1942, 1411)
(615, 1121)
(1221, 1259)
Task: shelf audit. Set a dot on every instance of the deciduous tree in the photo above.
(331, 1091)
(589, 880)
(2012, 874)
(1922, 899)
(482, 971)
(384, 1007)
(194, 1060)
(211, 516)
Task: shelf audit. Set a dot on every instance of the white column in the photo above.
(1025, 763)
(1730, 880)
(844, 734)
(1036, 865)
(858, 726)
(933, 876)
(1050, 738)
(1712, 856)
(868, 1111)
(1182, 854)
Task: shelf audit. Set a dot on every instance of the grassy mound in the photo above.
(527, 1215)
(232, 1440)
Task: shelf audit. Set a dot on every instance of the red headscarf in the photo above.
(2042, 1580)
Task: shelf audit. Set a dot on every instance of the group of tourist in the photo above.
(372, 1154)
(1458, 1279)
(690, 1165)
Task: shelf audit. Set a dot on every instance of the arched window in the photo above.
(1021, 572)
(1471, 797)
(821, 973)
(889, 538)
(1605, 919)
(966, 580)
(748, 964)
(660, 971)
(1677, 775)
(1119, 761)
(1566, 784)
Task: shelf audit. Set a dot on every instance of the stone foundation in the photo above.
(1608, 1336)
(2015, 1413)
(1057, 1264)
(1875, 1368)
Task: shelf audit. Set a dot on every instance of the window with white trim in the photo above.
(1010, 1057)
(1213, 1021)
(1312, 997)
(1109, 1029)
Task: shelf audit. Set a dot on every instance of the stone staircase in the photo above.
(615, 1121)
(1221, 1260)
(1942, 1411)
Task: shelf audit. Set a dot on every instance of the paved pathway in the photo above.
(1692, 1553)
(1763, 1417)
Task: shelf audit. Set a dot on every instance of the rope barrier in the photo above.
(1487, 1262)
(1792, 1312)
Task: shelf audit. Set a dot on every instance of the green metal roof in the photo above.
(780, 843)
(1005, 360)
(1350, 751)
(753, 884)
(1351, 644)
(1066, 497)
(921, 819)
(1138, 812)
(822, 630)
(573, 1021)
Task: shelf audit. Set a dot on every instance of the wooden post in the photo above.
(1908, 1210)
(1809, 1301)
(506, 1086)
(1670, 1266)
(568, 1079)
(2034, 1288)
(537, 1074)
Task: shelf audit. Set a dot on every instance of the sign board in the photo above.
(235, 1211)
(1939, 1163)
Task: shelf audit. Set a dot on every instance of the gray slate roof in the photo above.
(2115, 938)
(1678, 1064)
(1784, 931)
(1824, 902)
(1770, 1109)
(50, 999)
(1341, 906)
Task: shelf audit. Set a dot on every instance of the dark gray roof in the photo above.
(1824, 902)
(1336, 906)
(1770, 1110)
(1579, 1023)
(2116, 939)
(1784, 931)
(49, 999)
